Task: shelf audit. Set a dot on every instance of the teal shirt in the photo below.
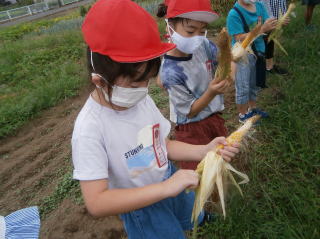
(235, 25)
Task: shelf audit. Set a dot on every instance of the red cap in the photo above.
(166, 2)
(124, 31)
(199, 10)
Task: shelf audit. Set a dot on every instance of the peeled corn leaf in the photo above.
(280, 46)
(213, 169)
(276, 33)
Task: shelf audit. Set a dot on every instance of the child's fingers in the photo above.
(192, 187)
(194, 179)
(225, 87)
(225, 153)
(220, 84)
(232, 149)
(259, 20)
(220, 140)
(226, 158)
(271, 19)
(236, 145)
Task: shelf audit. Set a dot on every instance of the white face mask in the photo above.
(123, 97)
(185, 44)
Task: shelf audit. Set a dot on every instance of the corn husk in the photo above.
(213, 169)
(240, 50)
(276, 33)
(225, 57)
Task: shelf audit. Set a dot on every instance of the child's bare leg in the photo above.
(308, 14)
(242, 109)
(269, 63)
(252, 104)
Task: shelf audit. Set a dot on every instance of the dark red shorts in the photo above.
(199, 133)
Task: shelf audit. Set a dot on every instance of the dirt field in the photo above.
(31, 163)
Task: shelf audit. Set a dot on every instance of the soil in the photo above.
(30, 165)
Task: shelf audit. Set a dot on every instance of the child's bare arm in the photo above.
(159, 82)
(268, 25)
(214, 89)
(102, 202)
(180, 151)
(233, 70)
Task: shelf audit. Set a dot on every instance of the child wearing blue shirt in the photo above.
(246, 87)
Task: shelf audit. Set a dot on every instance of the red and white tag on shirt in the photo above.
(160, 156)
(209, 66)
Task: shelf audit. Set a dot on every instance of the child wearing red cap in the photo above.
(120, 149)
(187, 72)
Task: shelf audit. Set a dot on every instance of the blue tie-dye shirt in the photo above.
(186, 79)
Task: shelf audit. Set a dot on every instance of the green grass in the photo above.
(38, 71)
(222, 7)
(159, 96)
(66, 188)
(282, 199)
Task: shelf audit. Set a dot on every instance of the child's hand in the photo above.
(269, 25)
(228, 152)
(218, 88)
(286, 21)
(181, 180)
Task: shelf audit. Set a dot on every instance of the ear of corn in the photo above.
(225, 56)
(276, 33)
(239, 51)
(213, 169)
(253, 34)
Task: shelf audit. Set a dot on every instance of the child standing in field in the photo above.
(120, 148)
(243, 17)
(187, 73)
(275, 9)
(309, 12)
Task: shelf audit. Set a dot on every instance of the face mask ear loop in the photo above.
(95, 74)
(91, 58)
(205, 34)
(168, 29)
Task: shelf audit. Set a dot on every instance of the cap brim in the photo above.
(165, 47)
(201, 16)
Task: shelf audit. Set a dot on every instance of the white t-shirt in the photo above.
(126, 147)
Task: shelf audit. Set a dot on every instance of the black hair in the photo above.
(110, 70)
(162, 10)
